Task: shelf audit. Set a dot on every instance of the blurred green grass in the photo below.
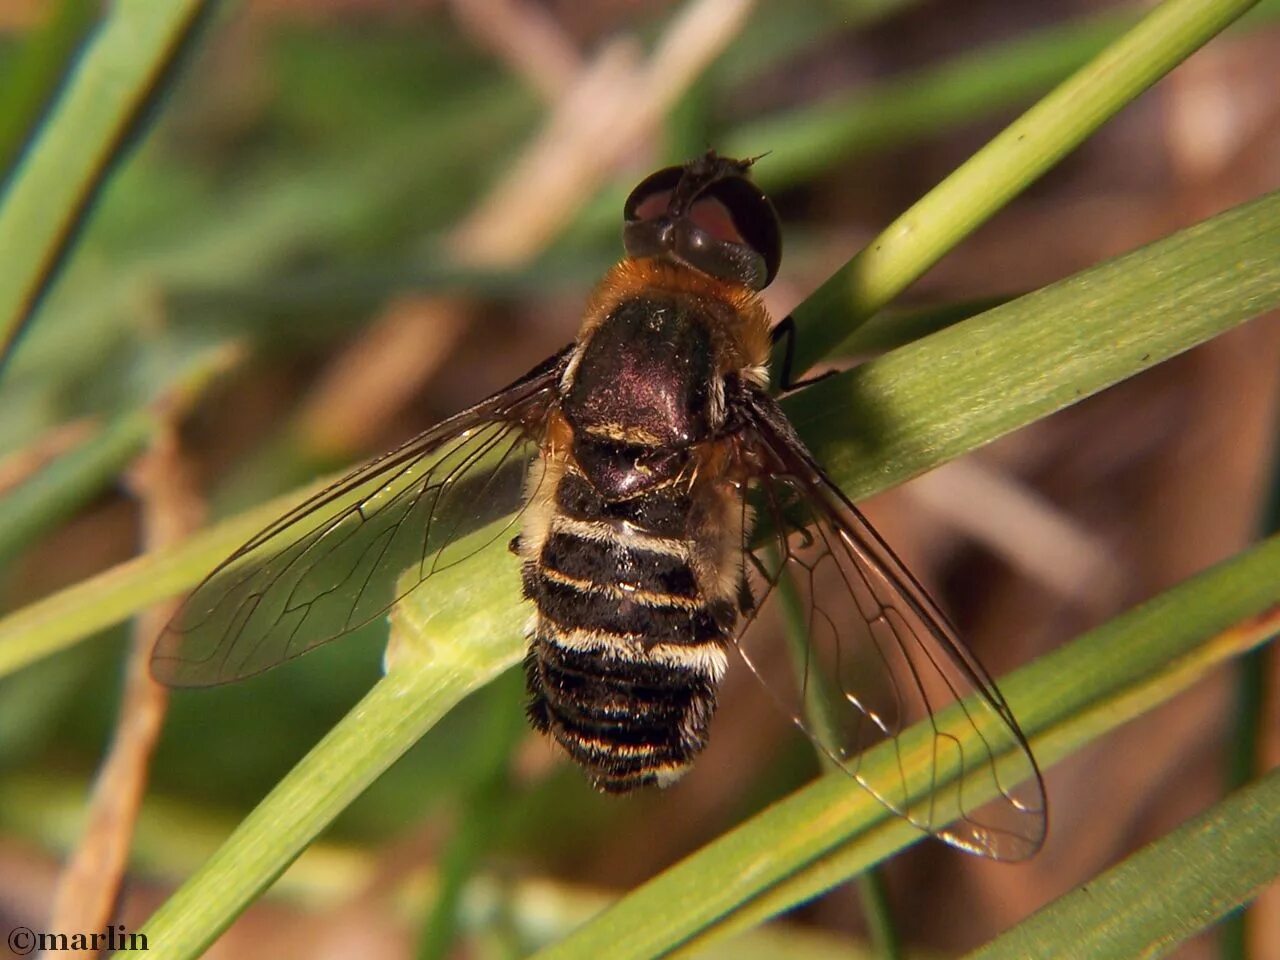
(279, 215)
(283, 218)
(352, 133)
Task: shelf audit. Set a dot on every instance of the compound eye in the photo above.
(713, 218)
(709, 215)
(649, 199)
(742, 214)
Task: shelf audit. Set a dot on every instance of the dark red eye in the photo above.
(752, 216)
(650, 198)
(714, 218)
(708, 214)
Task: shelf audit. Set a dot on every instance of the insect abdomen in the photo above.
(626, 652)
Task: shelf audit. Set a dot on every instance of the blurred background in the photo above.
(344, 205)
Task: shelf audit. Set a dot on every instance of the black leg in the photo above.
(787, 328)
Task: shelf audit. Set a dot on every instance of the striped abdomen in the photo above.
(628, 642)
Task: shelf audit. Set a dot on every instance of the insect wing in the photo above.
(879, 656)
(333, 563)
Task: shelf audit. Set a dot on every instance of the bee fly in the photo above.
(662, 498)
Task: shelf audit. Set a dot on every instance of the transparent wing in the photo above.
(331, 564)
(880, 656)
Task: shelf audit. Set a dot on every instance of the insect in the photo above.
(661, 499)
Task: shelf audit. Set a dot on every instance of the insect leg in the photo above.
(786, 327)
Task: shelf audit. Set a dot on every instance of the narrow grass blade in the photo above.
(922, 104)
(919, 406)
(60, 620)
(1022, 152)
(71, 480)
(391, 718)
(31, 75)
(1206, 868)
(55, 491)
(116, 79)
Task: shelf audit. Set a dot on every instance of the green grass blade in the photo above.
(918, 105)
(821, 713)
(1206, 868)
(831, 830)
(1249, 721)
(860, 12)
(883, 422)
(1023, 151)
(115, 81)
(60, 620)
(889, 419)
(56, 491)
(923, 103)
(480, 814)
(29, 80)
(429, 677)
